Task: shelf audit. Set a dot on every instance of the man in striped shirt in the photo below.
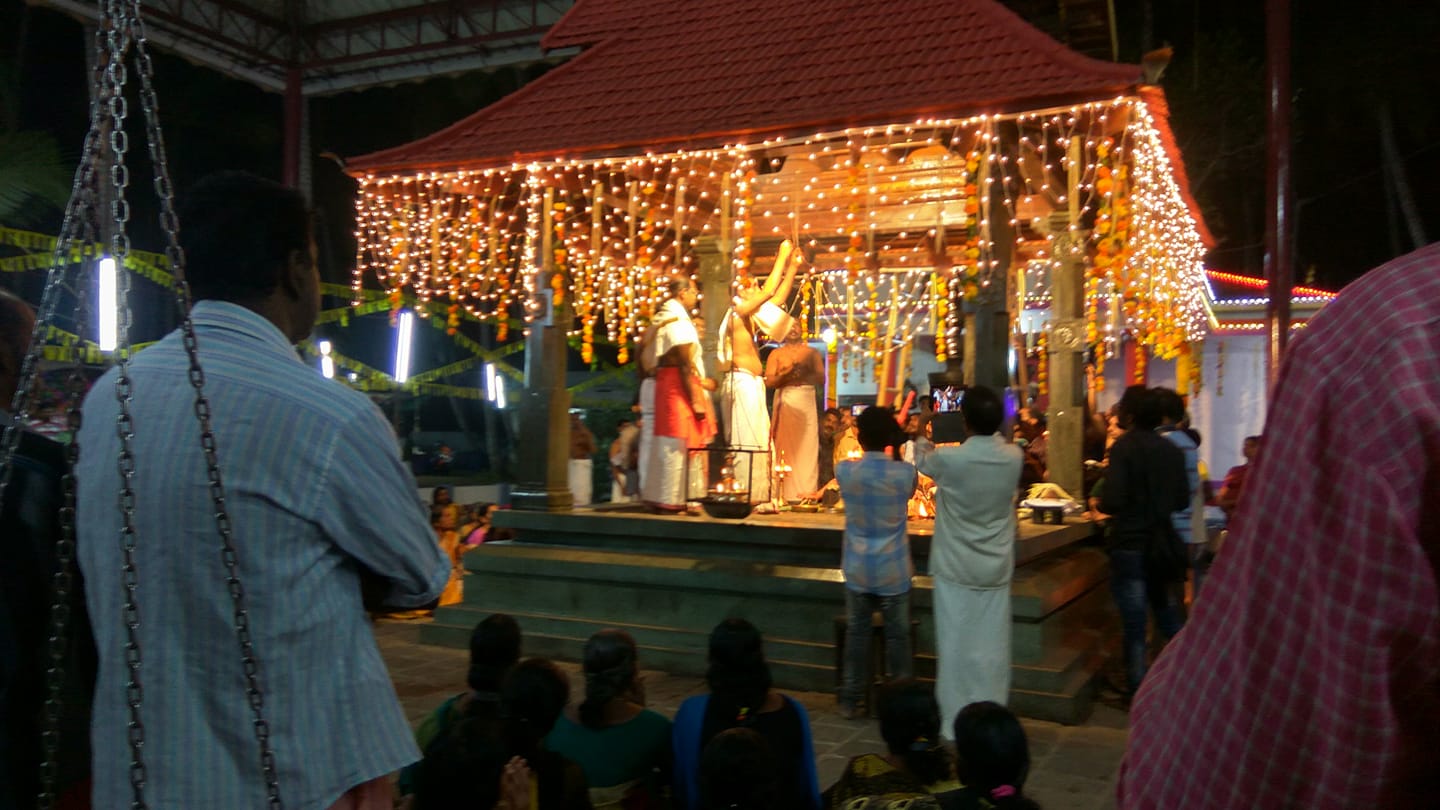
(316, 495)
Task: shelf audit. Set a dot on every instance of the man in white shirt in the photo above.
(973, 554)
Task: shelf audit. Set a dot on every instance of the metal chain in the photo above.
(164, 190)
(79, 216)
(50, 298)
(63, 575)
(122, 19)
(115, 75)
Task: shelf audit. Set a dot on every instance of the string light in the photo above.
(903, 220)
(108, 305)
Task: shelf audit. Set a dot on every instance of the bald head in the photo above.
(17, 321)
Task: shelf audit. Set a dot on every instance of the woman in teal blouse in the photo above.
(623, 747)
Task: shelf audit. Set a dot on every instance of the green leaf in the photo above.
(34, 180)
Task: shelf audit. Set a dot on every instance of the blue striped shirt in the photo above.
(315, 489)
(877, 492)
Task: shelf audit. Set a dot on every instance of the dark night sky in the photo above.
(1346, 71)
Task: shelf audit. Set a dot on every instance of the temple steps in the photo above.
(562, 588)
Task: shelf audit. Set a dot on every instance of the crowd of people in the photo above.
(223, 624)
(518, 738)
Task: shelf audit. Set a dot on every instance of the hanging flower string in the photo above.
(473, 236)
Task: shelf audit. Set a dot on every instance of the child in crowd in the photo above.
(992, 760)
(459, 769)
(478, 527)
(917, 765)
(737, 772)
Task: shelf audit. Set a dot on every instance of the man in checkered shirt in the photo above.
(1309, 675)
(876, 560)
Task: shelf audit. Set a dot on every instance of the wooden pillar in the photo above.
(543, 464)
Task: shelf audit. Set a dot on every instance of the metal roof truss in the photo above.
(340, 45)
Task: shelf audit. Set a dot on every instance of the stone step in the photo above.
(670, 594)
(795, 602)
(794, 665)
(1071, 705)
(1054, 671)
(452, 628)
(789, 539)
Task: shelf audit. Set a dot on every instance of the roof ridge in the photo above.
(668, 72)
(377, 159)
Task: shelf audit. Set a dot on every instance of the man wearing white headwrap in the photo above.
(682, 419)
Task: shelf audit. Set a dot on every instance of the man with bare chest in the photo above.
(742, 392)
(795, 370)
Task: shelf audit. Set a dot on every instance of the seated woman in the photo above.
(623, 747)
(916, 767)
(992, 759)
(445, 520)
(494, 651)
(533, 696)
(740, 696)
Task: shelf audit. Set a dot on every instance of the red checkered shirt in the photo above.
(1309, 672)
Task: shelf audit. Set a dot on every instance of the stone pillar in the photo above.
(987, 320)
(1066, 348)
(715, 276)
(543, 464)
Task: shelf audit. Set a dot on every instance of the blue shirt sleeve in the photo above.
(369, 506)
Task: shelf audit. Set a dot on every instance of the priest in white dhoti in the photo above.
(645, 367)
(972, 557)
(742, 389)
(796, 372)
(682, 418)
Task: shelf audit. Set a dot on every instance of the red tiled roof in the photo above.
(672, 74)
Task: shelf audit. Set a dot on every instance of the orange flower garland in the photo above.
(1042, 366)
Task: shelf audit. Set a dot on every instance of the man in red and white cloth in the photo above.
(1309, 674)
(683, 418)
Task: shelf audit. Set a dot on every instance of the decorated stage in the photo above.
(669, 579)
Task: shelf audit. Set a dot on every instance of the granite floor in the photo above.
(1073, 767)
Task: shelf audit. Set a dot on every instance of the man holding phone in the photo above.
(972, 557)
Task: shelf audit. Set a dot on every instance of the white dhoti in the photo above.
(582, 481)
(679, 428)
(797, 439)
(972, 639)
(747, 427)
(647, 427)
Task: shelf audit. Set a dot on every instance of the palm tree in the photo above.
(34, 178)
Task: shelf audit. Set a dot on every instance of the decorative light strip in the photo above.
(1227, 327)
(1230, 303)
(1261, 284)
(620, 226)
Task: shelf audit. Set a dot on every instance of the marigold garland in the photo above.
(1137, 377)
